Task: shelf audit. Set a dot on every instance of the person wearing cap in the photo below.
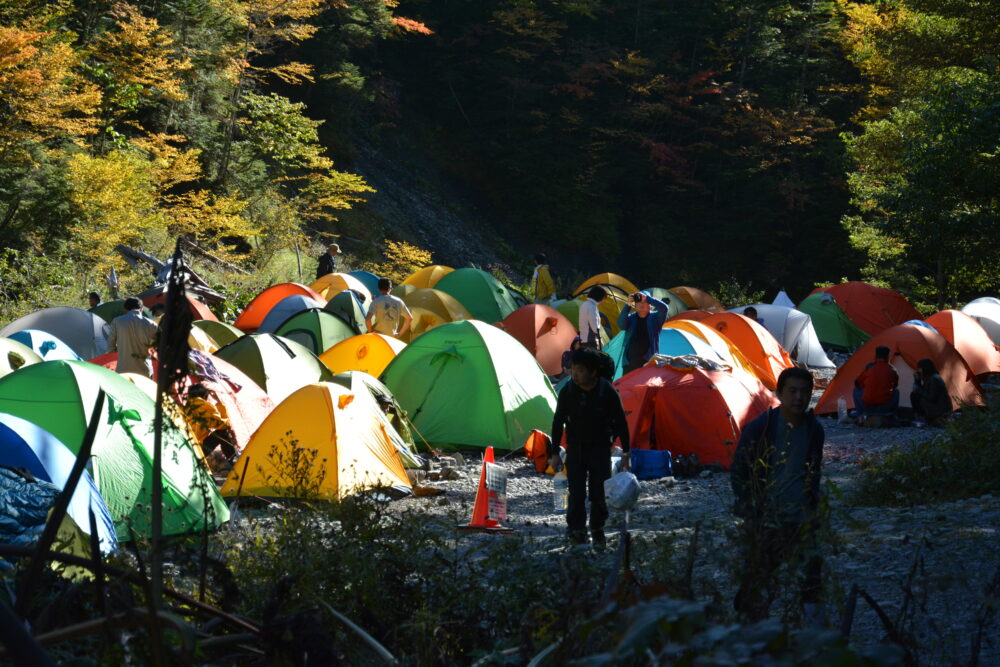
(132, 334)
(328, 261)
(641, 325)
(590, 318)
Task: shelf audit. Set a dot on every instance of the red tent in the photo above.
(909, 344)
(253, 315)
(969, 338)
(872, 309)
(198, 310)
(690, 410)
(544, 331)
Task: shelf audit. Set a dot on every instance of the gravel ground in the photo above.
(951, 548)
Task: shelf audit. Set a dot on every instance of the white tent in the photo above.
(794, 330)
(85, 333)
(987, 312)
(783, 300)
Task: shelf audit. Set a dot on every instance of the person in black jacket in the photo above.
(775, 477)
(590, 410)
(328, 261)
(930, 398)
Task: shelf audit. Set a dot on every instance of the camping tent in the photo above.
(428, 276)
(969, 338)
(367, 278)
(332, 283)
(279, 366)
(908, 345)
(443, 305)
(316, 329)
(726, 348)
(222, 333)
(14, 355)
(85, 333)
(696, 298)
(782, 299)
(367, 387)
(570, 309)
(544, 332)
(673, 343)
(469, 383)
(694, 314)
(199, 310)
(322, 441)
(482, 295)
(793, 329)
(872, 309)
(284, 309)
(45, 345)
(833, 327)
(198, 339)
(675, 305)
(623, 285)
(255, 312)
(59, 396)
(109, 310)
(759, 347)
(403, 289)
(369, 353)
(347, 307)
(690, 410)
(986, 310)
(26, 445)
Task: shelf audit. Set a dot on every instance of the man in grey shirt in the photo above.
(132, 334)
(386, 310)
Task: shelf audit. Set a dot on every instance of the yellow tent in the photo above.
(423, 320)
(606, 279)
(14, 355)
(369, 352)
(199, 340)
(320, 442)
(428, 276)
(445, 306)
(333, 284)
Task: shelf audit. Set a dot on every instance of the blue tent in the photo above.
(673, 342)
(45, 345)
(25, 445)
(368, 279)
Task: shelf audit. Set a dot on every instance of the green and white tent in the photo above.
(315, 329)
(469, 383)
(833, 327)
(223, 334)
(279, 366)
(482, 295)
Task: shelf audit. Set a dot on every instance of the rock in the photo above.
(705, 473)
(459, 459)
(453, 474)
(416, 477)
(443, 501)
(446, 461)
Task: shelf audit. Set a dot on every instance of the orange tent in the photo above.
(690, 410)
(544, 331)
(908, 344)
(427, 276)
(872, 309)
(695, 315)
(729, 351)
(696, 298)
(969, 338)
(199, 310)
(255, 312)
(756, 343)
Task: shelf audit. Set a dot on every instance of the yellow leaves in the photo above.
(401, 259)
(291, 73)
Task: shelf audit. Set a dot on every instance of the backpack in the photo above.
(606, 369)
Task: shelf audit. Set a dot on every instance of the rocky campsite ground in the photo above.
(928, 566)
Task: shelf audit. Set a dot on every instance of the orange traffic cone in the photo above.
(481, 510)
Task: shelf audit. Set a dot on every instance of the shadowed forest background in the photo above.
(777, 144)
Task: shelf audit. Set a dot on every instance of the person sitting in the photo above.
(641, 325)
(875, 390)
(567, 357)
(590, 318)
(930, 398)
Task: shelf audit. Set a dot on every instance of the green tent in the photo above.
(346, 306)
(482, 295)
(59, 396)
(469, 383)
(315, 329)
(674, 303)
(833, 327)
(221, 333)
(278, 365)
(109, 310)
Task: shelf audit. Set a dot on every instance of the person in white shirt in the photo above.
(590, 318)
(386, 310)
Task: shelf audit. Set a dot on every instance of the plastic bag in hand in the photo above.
(622, 491)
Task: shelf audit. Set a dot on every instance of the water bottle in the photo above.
(842, 409)
(560, 491)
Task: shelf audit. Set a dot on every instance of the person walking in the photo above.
(590, 318)
(775, 477)
(545, 287)
(386, 310)
(132, 334)
(641, 324)
(590, 411)
(328, 261)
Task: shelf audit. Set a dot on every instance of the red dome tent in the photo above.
(969, 338)
(198, 310)
(544, 331)
(908, 344)
(690, 410)
(756, 343)
(253, 315)
(872, 309)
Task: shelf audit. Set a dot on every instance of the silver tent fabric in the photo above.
(986, 310)
(85, 333)
(794, 330)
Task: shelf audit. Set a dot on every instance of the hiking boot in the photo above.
(600, 540)
(578, 536)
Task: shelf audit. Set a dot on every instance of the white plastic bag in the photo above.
(622, 491)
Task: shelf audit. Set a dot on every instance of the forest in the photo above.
(780, 144)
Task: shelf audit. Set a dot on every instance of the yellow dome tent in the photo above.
(430, 308)
(606, 279)
(333, 284)
(428, 276)
(321, 442)
(369, 353)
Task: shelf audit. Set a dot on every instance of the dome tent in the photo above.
(315, 329)
(793, 329)
(223, 334)
(675, 305)
(46, 346)
(255, 312)
(367, 278)
(469, 383)
(696, 298)
(349, 308)
(427, 276)
(284, 309)
(986, 310)
(872, 309)
(333, 283)
(544, 332)
(14, 355)
(482, 295)
(756, 343)
(623, 285)
(85, 333)
(369, 353)
(726, 348)
(833, 327)
(673, 343)
(279, 366)
(969, 338)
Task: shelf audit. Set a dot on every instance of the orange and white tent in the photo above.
(969, 338)
(756, 343)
